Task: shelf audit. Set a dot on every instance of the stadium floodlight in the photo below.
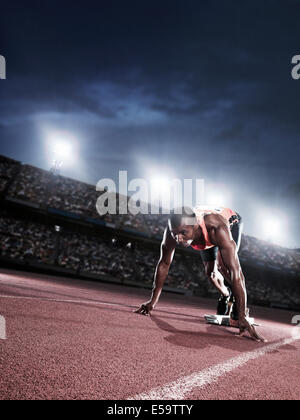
(160, 192)
(159, 186)
(271, 229)
(62, 152)
(215, 199)
(61, 148)
(274, 227)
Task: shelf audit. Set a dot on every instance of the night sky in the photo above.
(190, 89)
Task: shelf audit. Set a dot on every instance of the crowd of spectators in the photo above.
(94, 255)
(266, 292)
(156, 224)
(7, 171)
(45, 189)
(30, 185)
(32, 242)
(134, 222)
(48, 190)
(26, 241)
(270, 255)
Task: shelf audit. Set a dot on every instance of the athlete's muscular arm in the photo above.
(167, 250)
(221, 236)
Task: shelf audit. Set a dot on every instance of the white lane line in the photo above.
(61, 300)
(75, 301)
(179, 389)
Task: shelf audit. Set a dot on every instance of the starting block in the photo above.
(224, 320)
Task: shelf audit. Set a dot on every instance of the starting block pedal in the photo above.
(223, 320)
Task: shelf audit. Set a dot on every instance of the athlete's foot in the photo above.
(234, 313)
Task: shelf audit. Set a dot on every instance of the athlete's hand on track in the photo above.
(245, 326)
(144, 309)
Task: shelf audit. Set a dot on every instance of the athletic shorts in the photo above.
(236, 231)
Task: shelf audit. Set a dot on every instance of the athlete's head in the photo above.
(182, 222)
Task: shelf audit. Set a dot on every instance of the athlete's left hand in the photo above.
(246, 326)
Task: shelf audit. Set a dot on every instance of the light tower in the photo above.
(62, 151)
(56, 167)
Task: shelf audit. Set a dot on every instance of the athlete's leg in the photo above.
(236, 231)
(209, 258)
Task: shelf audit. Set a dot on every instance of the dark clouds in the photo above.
(202, 86)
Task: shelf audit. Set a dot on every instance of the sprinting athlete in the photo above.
(216, 233)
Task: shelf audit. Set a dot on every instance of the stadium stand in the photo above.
(48, 190)
(84, 246)
(82, 254)
(8, 169)
(24, 241)
(269, 255)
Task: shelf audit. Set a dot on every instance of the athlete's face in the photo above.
(184, 235)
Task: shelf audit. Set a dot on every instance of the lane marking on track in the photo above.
(89, 302)
(179, 389)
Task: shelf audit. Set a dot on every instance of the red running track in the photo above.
(73, 339)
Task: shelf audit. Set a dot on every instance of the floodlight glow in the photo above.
(61, 147)
(216, 199)
(271, 228)
(160, 185)
(62, 150)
